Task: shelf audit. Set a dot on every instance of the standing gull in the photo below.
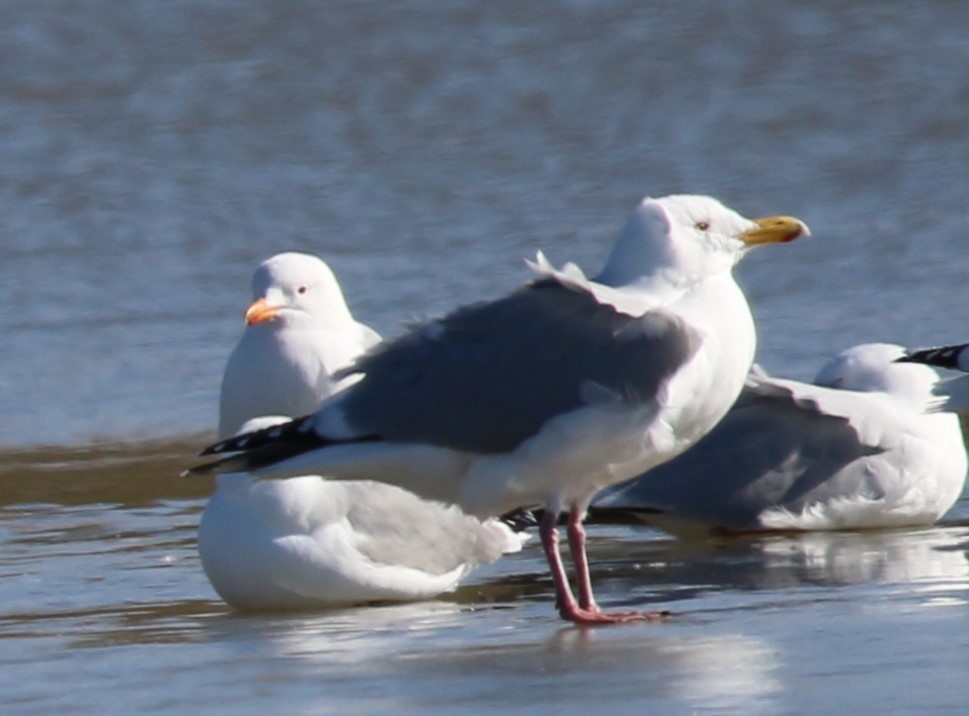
(306, 541)
(855, 450)
(552, 393)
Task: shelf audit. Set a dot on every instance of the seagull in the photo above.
(310, 542)
(952, 393)
(299, 332)
(854, 450)
(551, 393)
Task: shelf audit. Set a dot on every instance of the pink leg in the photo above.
(583, 579)
(594, 614)
(585, 611)
(549, 533)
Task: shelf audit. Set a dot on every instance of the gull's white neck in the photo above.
(720, 367)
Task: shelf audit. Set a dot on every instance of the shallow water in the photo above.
(149, 160)
(105, 609)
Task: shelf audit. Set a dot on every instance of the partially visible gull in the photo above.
(952, 393)
(552, 393)
(855, 450)
(299, 331)
(310, 542)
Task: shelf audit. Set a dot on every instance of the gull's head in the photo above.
(291, 289)
(690, 236)
(871, 367)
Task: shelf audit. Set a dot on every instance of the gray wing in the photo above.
(488, 376)
(772, 449)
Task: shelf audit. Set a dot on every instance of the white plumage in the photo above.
(951, 393)
(307, 541)
(299, 331)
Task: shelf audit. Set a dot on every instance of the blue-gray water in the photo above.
(151, 154)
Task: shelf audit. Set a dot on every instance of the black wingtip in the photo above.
(939, 356)
(268, 446)
(249, 442)
(520, 520)
(259, 448)
(620, 515)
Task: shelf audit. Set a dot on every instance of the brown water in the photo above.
(150, 157)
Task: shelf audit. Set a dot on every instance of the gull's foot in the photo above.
(595, 616)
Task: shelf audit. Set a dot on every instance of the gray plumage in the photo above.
(542, 351)
(773, 448)
(857, 449)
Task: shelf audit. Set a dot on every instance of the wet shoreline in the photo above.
(123, 472)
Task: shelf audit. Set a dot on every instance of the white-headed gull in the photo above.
(310, 542)
(552, 393)
(299, 331)
(854, 450)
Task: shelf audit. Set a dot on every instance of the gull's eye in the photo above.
(302, 289)
(701, 225)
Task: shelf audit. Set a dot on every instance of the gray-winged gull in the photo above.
(855, 450)
(552, 393)
(306, 541)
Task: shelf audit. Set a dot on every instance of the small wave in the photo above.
(128, 473)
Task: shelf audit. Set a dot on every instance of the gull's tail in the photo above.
(951, 395)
